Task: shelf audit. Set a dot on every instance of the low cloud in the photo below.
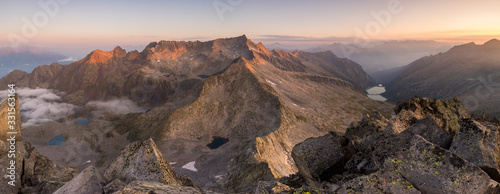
(69, 59)
(44, 105)
(41, 105)
(116, 106)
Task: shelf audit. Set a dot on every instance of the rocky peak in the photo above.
(97, 57)
(119, 52)
(492, 43)
(142, 161)
(447, 112)
(463, 47)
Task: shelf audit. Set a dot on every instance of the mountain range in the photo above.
(26, 58)
(262, 102)
(469, 71)
(380, 55)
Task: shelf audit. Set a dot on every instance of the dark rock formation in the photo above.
(432, 169)
(368, 126)
(271, 187)
(477, 142)
(447, 113)
(319, 158)
(382, 181)
(428, 129)
(114, 186)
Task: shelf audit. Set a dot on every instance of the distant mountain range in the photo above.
(27, 58)
(381, 56)
(262, 101)
(469, 71)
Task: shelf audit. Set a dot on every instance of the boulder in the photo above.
(367, 126)
(142, 161)
(319, 158)
(403, 120)
(432, 169)
(382, 181)
(114, 186)
(271, 187)
(146, 187)
(89, 181)
(372, 152)
(447, 112)
(428, 129)
(38, 168)
(477, 142)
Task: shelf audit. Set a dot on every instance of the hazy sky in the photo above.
(77, 27)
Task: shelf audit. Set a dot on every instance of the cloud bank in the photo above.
(40, 106)
(116, 106)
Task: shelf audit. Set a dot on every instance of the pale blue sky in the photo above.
(81, 26)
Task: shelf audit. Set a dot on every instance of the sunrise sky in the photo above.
(77, 27)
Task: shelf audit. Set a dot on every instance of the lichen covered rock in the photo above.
(382, 181)
(369, 125)
(147, 187)
(477, 142)
(142, 161)
(447, 112)
(319, 158)
(428, 129)
(89, 181)
(432, 169)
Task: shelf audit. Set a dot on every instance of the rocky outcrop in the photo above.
(88, 181)
(432, 169)
(428, 129)
(382, 181)
(369, 125)
(319, 158)
(140, 168)
(477, 142)
(142, 161)
(147, 187)
(271, 187)
(415, 160)
(447, 113)
(114, 186)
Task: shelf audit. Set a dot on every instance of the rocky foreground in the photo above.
(430, 146)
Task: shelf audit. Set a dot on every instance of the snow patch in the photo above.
(272, 83)
(219, 177)
(190, 166)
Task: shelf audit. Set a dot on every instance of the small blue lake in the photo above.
(203, 76)
(217, 142)
(82, 121)
(58, 140)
